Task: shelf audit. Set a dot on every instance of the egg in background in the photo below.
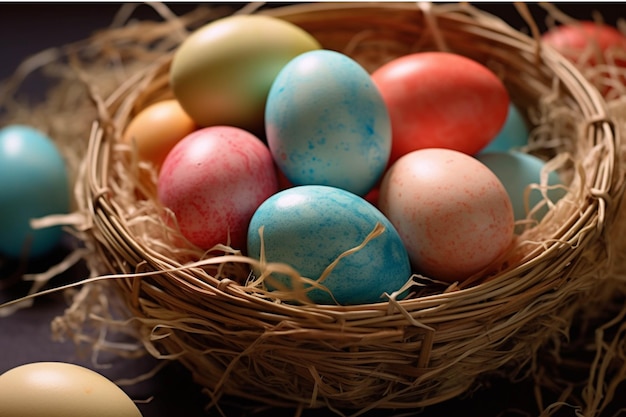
(512, 136)
(34, 183)
(221, 74)
(588, 40)
(58, 389)
(518, 172)
(452, 213)
(327, 124)
(592, 45)
(156, 129)
(309, 226)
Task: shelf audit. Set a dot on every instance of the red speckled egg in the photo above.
(213, 180)
(452, 213)
(441, 100)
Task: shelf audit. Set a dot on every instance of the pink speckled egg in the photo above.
(452, 213)
(213, 180)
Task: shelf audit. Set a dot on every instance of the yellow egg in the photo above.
(57, 389)
(221, 74)
(157, 128)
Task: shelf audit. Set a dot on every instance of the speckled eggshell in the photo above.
(453, 214)
(213, 180)
(309, 226)
(326, 123)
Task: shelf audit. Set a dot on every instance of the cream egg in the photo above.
(58, 389)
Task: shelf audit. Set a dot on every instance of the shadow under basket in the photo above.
(241, 341)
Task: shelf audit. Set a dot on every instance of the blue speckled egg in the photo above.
(309, 226)
(327, 124)
(512, 136)
(33, 183)
(518, 171)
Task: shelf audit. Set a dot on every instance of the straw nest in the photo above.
(240, 340)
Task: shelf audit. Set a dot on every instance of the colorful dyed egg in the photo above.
(309, 227)
(441, 100)
(326, 123)
(512, 136)
(221, 74)
(453, 214)
(213, 180)
(33, 183)
(520, 173)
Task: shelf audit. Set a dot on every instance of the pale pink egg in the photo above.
(213, 180)
(452, 213)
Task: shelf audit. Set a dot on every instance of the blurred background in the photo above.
(27, 28)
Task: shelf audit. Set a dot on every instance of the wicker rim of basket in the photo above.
(599, 128)
(549, 271)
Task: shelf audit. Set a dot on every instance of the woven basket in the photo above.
(240, 341)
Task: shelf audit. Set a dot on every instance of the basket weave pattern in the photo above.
(239, 340)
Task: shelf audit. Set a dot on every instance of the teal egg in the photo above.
(327, 124)
(513, 135)
(310, 226)
(33, 183)
(517, 171)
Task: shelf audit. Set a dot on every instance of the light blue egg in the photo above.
(512, 136)
(517, 171)
(33, 183)
(309, 226)
(327, 124)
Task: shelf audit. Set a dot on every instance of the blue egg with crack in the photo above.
(327, 124)
(310, 227)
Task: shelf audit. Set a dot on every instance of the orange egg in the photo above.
(157, 128)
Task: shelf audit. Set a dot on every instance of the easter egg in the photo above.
(586, 42)
(213, 180)
(520, 173)
(513, 135)
(326, 123)
(441, 100)
(597, 49)
(221, 74)
(156, 129)
(58, 389)
(309, 227)
(33, 183)
(452, 213)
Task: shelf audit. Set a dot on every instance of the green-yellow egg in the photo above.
(221, 74)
